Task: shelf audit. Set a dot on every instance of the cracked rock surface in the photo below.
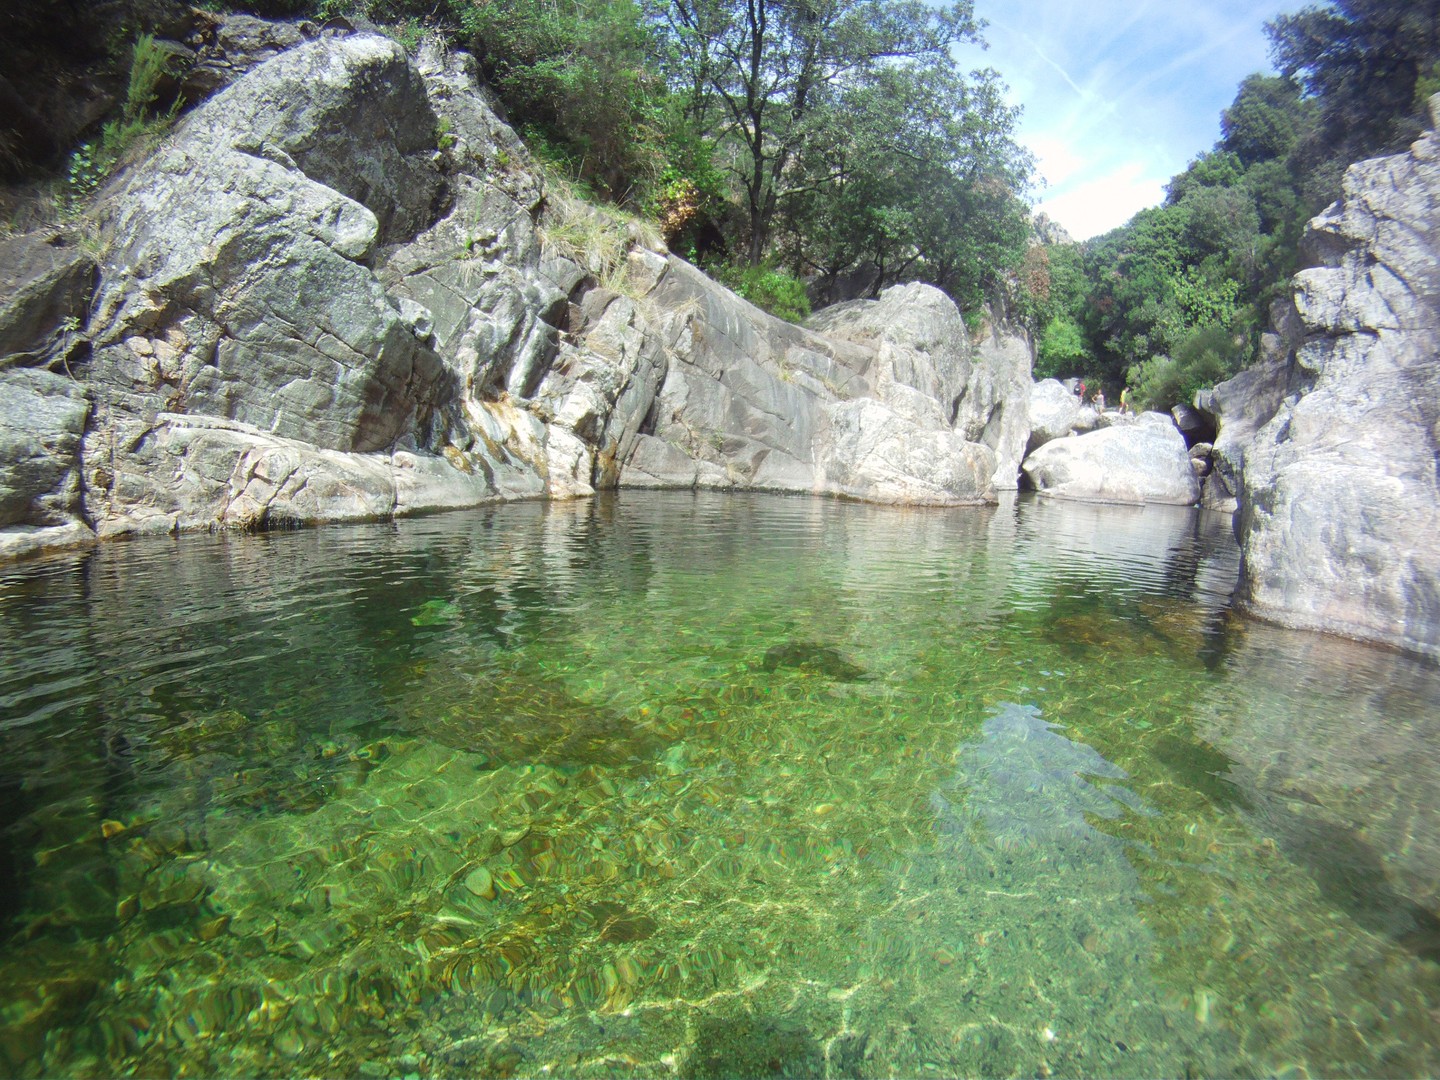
(330, 296)
(1339, 497)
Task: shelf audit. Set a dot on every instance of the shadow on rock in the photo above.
(812, 659)
(750, 1046)
(1351, 876)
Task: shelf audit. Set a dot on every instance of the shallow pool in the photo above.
(707, 785)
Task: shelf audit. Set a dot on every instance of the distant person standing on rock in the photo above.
(1080, 391)
(1125, 400)
(1099, 400)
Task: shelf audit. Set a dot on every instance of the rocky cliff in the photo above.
(339, 292)
(1333, 448)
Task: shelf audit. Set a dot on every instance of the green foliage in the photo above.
(83, 175)
(1203, 358)
(766, 287)
(598, 237)
(1266, 121)
(1427, 84)
(690, 194)
(805, 96)
(149, 63)
(444, 135)
(1364, 61)
(91, 164)
(576, 72)
(409, 33)
(1061, 350)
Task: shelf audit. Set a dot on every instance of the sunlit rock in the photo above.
(1340, 502)
(1143, 462)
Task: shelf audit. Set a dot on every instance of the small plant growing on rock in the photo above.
(93, 162)
(595, 236)
(444, 134)
(769, 288)
(149, 63)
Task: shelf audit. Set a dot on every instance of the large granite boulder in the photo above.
(239, 285)
(862, 402)
(1056, 412)
(1242, 405)
(1239, 407)
(995, 409)
(340, 290)
(1141, 462)
(1340, 501)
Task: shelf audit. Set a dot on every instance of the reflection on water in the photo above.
(707, 786)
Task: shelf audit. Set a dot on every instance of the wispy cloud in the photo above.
(1119, 96)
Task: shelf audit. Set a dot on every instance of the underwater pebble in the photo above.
(511, 837)
(479, 882)
(290, 1042)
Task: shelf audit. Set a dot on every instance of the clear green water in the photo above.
(710, 786)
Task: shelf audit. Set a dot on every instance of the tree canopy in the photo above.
(804, 88)
(1177, 298)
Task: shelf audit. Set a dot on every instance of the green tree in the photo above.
(1266, 120)
(1061, 350)
(915, 176)
(576, 74)
(1202, 358)
(1363, 60)
(762, 75)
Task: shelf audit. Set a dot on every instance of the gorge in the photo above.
(739, 714)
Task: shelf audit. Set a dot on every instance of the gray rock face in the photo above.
(1143, 462)
(863, 402)
(45, 290)
(238, 284)
(338, 292)
(227, 48)
(42, 417)
(1239, 407)
(1055, 413)
(1340, 501)
(995, 410)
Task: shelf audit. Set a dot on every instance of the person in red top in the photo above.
(1081, 391)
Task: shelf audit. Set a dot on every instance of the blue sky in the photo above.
(1119, 95)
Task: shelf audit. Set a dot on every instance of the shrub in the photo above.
(777, 292)
(149, 63)
(1061, 350)
(1203, 358)
(93, 162)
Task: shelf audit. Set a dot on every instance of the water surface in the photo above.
(709, 786)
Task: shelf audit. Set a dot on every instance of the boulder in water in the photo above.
(1143, 462)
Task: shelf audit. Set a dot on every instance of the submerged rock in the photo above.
(812, 658)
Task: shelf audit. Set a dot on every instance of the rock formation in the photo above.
(1339, 499)
(339, 291)
(1056, 412)
(1240, 406)
(1141, 462)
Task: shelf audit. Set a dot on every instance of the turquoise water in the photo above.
(707, 786)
